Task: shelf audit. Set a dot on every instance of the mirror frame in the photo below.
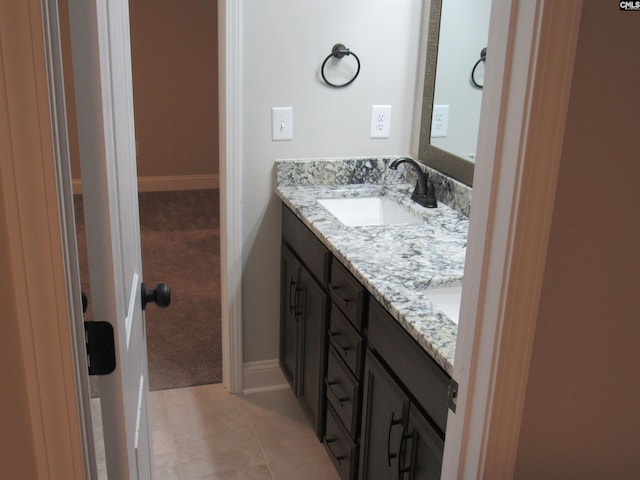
(449, 164)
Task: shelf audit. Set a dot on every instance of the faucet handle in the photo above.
(430, 201)
(427, 199)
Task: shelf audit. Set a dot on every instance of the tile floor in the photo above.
(205, 433)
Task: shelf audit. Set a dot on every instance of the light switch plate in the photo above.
(281, 123)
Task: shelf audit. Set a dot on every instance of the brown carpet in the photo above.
(180, 236)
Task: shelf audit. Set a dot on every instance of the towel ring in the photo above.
(483, 58)
(339, 51)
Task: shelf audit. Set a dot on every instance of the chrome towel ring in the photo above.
(339, 51)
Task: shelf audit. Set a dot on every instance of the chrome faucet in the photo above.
(422, 194)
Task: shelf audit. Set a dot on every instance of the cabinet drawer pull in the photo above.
(339, 458)
(336, 295)
(336, 397)
(333, 336)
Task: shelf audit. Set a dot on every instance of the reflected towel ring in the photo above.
(483, 58)
(339, 51)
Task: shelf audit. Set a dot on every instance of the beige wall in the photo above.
(581, 417)
(175, 85)
(284, 44)
(175, 78)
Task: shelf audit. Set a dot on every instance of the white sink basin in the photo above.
(446, 299)
(361, 211)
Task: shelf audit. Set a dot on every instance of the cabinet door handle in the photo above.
(292, 285)
(333, 337)
(330, 391)
(339, 458)
(392, 423)
(403, 448)
(298, 299)
(336, 295)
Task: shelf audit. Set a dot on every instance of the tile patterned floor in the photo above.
(205, 433)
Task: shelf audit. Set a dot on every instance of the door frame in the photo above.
(230, 140)
(525, 103)
(43, 278)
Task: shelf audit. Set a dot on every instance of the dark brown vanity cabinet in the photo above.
(345, 359)
(397, 440)
(404, 407)
(376, 399)
(423, 448)
(303, 316)
(385, 410)
(289, 318)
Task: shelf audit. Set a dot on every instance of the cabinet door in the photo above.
(290, 315)
(385, 409)
(313, 301)
(424, 449)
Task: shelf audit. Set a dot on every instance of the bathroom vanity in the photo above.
(365, 349)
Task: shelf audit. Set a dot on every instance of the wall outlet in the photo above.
(281, 123)
(440, 121)
(380, 121)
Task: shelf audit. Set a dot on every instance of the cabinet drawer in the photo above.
(341, 449)
(415, 368)
(306, 245)
(347, 293)
(343, 392)
(347, 342)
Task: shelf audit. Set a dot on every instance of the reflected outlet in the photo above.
(440, 121)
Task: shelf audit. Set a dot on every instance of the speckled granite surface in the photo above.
(396, 263)
(346, 171)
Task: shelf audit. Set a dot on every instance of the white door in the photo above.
(104, 98)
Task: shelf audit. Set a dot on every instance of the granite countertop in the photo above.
(396, 263)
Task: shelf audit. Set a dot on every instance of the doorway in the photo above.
(175, 83)
(174, 57)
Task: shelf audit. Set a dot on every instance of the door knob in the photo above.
(161, 295)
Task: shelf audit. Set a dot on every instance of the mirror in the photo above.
(457, 33)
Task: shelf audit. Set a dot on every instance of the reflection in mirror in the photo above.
(457, 33)
(464, 27)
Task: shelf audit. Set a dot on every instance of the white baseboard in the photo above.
(168, 183)
(263, 376)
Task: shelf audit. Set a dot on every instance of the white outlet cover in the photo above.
(440, 121)
(380, 121)
(281, 123)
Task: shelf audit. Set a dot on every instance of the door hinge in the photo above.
(453, 395)
(101, 348)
